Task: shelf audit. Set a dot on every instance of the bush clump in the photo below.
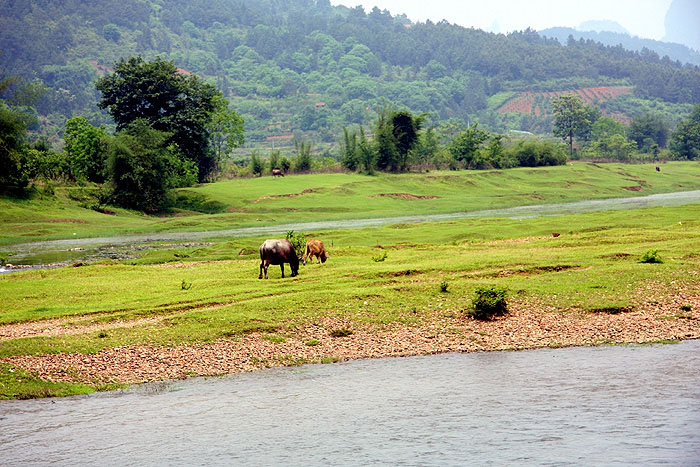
(489, 302)
(651, 256)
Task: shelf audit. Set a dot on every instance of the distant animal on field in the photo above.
(278, 252)
(555, 234)
(658, 169)
(315, 248)
(277, 173)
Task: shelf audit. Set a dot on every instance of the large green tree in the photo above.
(647, 130)
(85, 147)
(143, 166)
(685, 141)
(226, 130)
(465, 146)
(170, 101)
(571, 118)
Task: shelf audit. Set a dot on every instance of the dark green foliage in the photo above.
(489, 302)
(169, 101)
(685, 141)
(465, 146)
(302, 163)
(647, 130)
(85, 146)
(13, 176)
(143, 166)
(533, 153)
(256, 164)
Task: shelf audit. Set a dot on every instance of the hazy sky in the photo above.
(643, 18)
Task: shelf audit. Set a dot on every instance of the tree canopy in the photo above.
(172, 102)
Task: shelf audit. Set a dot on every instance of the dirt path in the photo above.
(527, 326)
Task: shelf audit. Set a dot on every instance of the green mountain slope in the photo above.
(304, 67)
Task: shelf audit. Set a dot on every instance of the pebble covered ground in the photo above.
(660, 315)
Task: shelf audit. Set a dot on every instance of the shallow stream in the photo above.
(85, 249)
(607, 406)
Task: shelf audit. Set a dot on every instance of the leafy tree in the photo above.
(226, 129)
(606, 126)
(256, 164)
(85, 147)
(303, 159)
(465, 146)
(349, 157)
(685, 141)
(405, 128)
(615, 147)
(385, 146)
(427, 146)
(13, 133)
(143, 166)
(178, 104)
(571, 118)
(275, 162)
(649, 129)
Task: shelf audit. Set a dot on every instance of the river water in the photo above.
(607, 406)
(82, 249)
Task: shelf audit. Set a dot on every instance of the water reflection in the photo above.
(579, 406)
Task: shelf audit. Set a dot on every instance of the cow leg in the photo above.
(282, 268)
(318, 259)
(261, 269)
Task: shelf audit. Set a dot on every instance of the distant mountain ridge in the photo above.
(676, 52)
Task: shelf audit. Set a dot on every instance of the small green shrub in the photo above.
(381, 257)
(651, 256)
(298, 240)
(443, 287)
(489, 302)
(312, 342)
(686, 307)
(340, 332)
(185, 285)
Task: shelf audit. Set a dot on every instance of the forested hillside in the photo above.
(304, 67)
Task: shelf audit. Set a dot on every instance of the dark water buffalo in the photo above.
(277, 173)
(278, 252)
(315, 248)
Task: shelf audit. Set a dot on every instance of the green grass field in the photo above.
(301, 198)
(201, 294)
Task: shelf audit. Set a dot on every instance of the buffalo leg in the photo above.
(282, 268)
(261, 270)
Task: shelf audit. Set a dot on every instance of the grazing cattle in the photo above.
(277, 173)
(278, 252)
(315, 248)
(555, 234)
(658, 169)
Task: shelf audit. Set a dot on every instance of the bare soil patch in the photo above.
(406, 196)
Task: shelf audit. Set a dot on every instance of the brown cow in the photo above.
(277, 173)
(278, 252)
(315, 248)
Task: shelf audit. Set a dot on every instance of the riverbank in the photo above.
(658, 316)
(402, 289)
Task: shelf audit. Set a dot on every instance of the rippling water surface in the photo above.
(607, 406)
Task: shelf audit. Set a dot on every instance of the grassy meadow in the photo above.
(338, 196)
(374, 276)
